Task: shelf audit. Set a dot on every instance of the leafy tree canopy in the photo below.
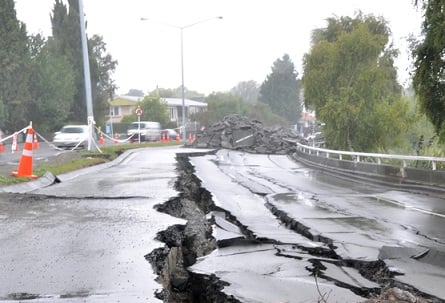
(41, 80)
(351, 82)
(14, 70)
(67, 41)
(154, 108)
(176, 93)
(52, 86)
(135, 93)
(223, 104)
(429, 64)
(248, 90)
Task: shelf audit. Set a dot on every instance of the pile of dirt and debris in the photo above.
(398, 295)
(240, 133)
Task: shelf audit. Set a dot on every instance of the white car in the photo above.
(72, 136)
(145, 130)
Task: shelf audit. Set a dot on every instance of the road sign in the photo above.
(138, 111)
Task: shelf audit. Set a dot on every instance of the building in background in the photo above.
(122, 106)
(125, 105)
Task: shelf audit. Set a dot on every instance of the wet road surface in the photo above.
(359, 223)
(86, 238)
(286, 233)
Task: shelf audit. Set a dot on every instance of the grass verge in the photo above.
(82, 159)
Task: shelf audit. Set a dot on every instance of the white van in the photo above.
(148, 130)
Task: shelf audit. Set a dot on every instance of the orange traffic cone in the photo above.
(2, 147)
(162, 138)
(116, 138)
(35, 143)
(168, 137)
(178, 138)
(14, 145)
(190, 138)
(101, 139)
(25, 165)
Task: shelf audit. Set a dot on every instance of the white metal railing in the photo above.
(356, 156)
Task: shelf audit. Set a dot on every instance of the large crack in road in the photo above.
(184, 245)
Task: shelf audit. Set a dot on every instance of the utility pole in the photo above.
(87, 77)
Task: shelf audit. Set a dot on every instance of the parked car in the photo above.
(71, 136)
(148, 130)
(315, 139)
(171, 132)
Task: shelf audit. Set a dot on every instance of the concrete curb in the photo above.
(49, 179)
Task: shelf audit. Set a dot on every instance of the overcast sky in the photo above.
(218, 54)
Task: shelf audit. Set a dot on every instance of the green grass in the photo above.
(86, 159)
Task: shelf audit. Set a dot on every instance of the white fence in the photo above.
(368, 157)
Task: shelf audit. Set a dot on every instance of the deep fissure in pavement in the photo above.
(185, 243)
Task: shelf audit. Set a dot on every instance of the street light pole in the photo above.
(184, 137)
(181, 28)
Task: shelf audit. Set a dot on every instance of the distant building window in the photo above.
(115, 111)
(196, 109)
(173, 113)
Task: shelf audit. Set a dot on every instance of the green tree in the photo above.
(223, 104)
(135, 92)
(262, 112)
(102, 68)
(67, 39)
(14, 70)
(52, 86)
(248, 90)
(281, 90)
(429, 64)
(154, 108)
(176, 93)
(350, 81)
(220, 105)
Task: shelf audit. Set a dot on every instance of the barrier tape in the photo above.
(98, 130)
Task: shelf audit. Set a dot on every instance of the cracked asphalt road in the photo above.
(298, 210)
(276, 224)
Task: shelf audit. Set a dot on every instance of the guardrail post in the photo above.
(356, 156)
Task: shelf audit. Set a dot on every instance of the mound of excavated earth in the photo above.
(239, 133)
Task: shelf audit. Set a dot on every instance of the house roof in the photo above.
(125, 100)
(131, 100)
(187, 102)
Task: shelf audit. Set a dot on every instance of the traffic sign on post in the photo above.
(138, 111)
